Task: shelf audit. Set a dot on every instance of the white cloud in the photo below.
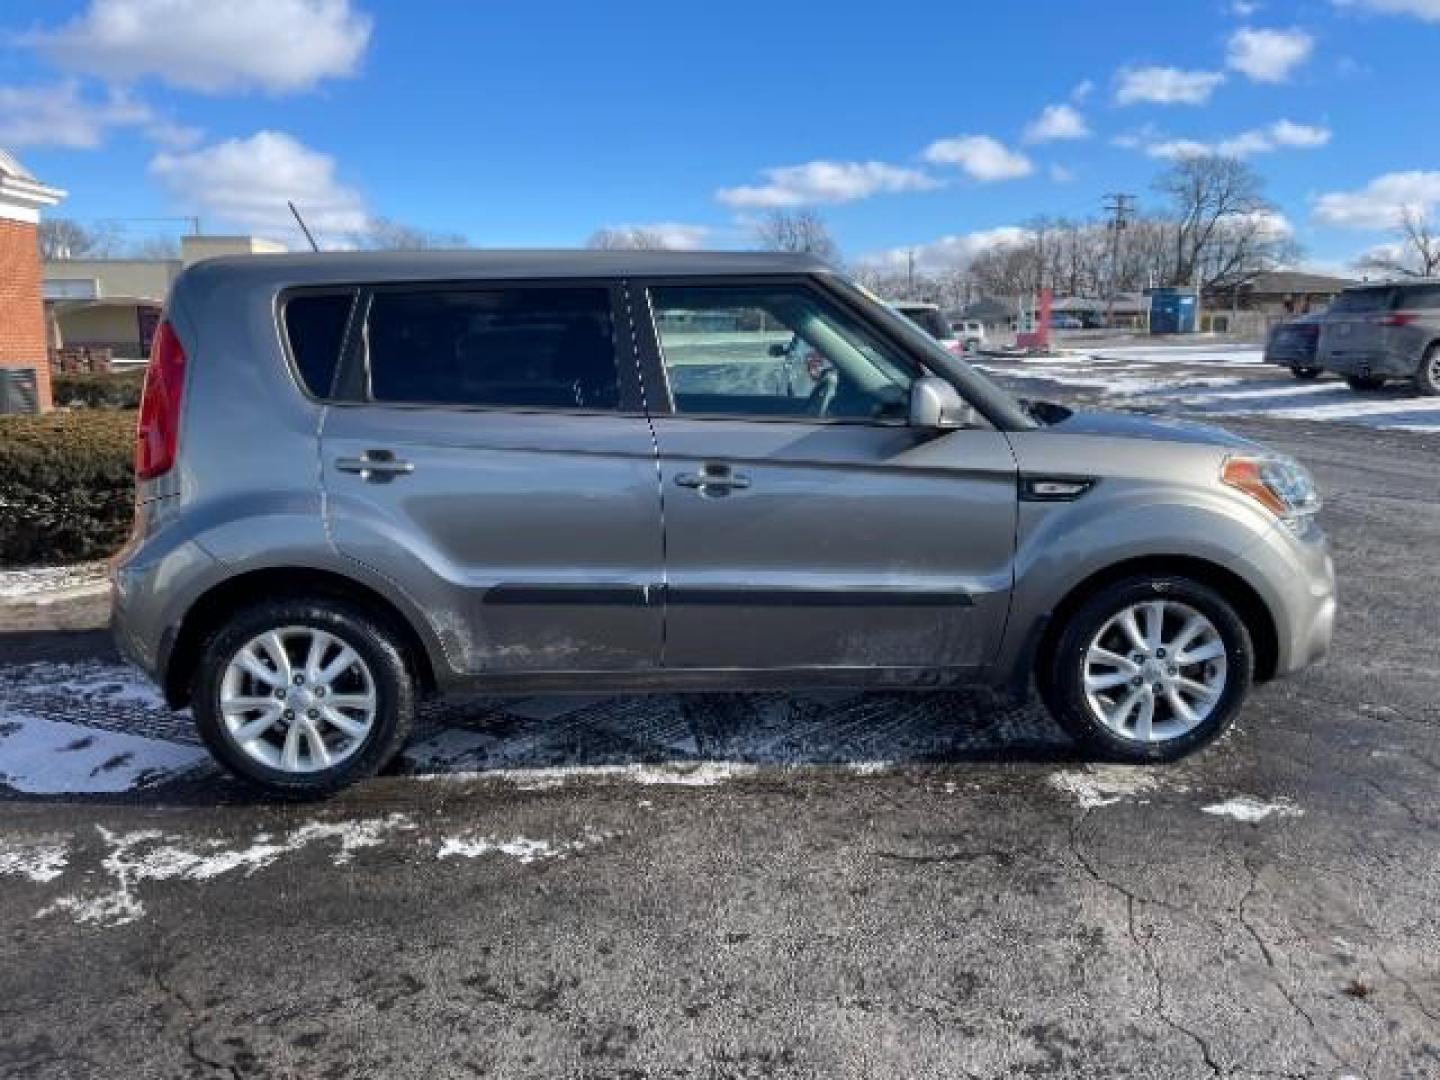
(980, 157)
(1428, 10)
(678, 235)
(1082, 91)
(1166, 86)
(1243, 8)
(245, 183)
(825, 182)
(1381, 202)
(948, 252)
(1268, 56)
(1280, 134)
(61, 115)
(1061, 174)
(212, 45)
(1057, 122)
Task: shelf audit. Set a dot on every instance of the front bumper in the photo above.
(1295, 575)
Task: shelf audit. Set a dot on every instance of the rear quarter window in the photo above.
(1422, 297)
(315, 326)
(1359, 301)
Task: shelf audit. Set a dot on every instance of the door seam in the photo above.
(664, 583)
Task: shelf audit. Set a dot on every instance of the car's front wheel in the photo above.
(1149, 669)
(1305, 372)
(303, 697)
(1364, 382)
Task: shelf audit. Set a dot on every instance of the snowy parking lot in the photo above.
(738, 885)
(1211, 381)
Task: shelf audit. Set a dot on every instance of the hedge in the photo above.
(113, 391)
(66, 485)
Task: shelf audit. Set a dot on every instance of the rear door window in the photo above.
(519, 348)
(315, 325)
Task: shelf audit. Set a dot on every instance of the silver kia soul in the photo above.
(366, 478)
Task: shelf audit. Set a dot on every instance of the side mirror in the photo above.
(934, 403)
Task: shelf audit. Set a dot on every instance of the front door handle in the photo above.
(378, 465)
(714, 479)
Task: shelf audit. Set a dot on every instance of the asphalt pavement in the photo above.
(754, 886)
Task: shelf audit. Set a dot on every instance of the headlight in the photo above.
(1281, 484)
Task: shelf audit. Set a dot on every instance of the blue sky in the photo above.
(534, 124)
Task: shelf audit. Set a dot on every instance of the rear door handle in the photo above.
(714, 479)
(377, 465)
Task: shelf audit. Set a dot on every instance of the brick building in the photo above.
(23, 336)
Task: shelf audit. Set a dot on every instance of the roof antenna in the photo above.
(303, 227)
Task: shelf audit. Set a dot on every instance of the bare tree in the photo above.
(1415, 252)
(384, 234)
(799, 231)
(627, 238)
(1224, 228)
(65, 238)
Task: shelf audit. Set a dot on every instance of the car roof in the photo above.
(341, 267)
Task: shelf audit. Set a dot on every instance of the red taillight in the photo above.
(158, 437)
(1400, 318)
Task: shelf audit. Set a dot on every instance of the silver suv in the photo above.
(365, 478)
(1374, 333)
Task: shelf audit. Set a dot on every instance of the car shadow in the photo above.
(96, 731)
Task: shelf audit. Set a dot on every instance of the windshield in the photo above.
(929, 320)
(1001, 407)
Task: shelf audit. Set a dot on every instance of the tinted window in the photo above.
(1420, 296)
(1362, 300)
(523, 348)
(315, 326)
(775, 351)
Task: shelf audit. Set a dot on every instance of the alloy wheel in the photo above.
(1155, 671)
(298, 699)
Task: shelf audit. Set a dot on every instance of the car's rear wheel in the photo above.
(1364, 382)
(1149, 669)
(1427, 379)
(1305, 372)
(302, 697)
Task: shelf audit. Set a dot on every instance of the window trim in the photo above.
(282, 304)
(354, 381)
(652, 356)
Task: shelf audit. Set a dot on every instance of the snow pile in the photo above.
(51, 757)
(1250, 810)
(1105, 785)
(40, 584)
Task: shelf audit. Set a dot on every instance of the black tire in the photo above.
(376, 644)
(1062, 675)
(1364, 382)
(1306, 372)
(1427, 379)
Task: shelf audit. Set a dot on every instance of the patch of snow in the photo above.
(39, 583)
(1250, 810)
(51, 757)
(40, 862)
(150, 855)
(1105, 785)
(684, 774)
(522, 849)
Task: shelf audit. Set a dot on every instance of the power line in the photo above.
(1121, 208)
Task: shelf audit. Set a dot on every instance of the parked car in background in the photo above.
(1375, 333)
(971, 333)
(929, 319)
(1293, 344)
(1062, 321)
(365, 478)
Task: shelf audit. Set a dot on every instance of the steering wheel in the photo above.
(823, 396)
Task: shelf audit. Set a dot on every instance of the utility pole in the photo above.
(910, 274)
(1121, 208)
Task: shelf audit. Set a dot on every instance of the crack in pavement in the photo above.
(192, 1024)
(1144, 946)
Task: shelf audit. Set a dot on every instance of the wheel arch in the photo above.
(214, 606)
(1248, 604)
